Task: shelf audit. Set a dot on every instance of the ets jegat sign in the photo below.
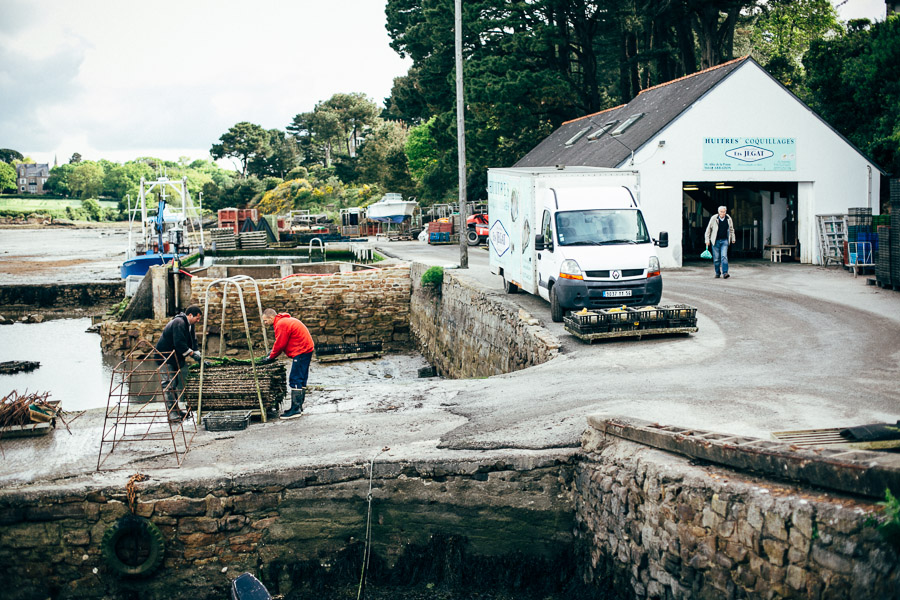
(749, 154)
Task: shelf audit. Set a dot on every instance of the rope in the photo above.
(131, 492)
(367, 552)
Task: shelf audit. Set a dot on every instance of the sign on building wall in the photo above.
(749, 154)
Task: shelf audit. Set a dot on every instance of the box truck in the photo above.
(574, 236)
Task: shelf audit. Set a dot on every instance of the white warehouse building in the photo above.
(731, 135)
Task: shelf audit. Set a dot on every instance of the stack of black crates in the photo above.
(887, 272)
(632, 319)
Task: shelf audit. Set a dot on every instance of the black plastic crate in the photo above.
(226, 420)
(352, 348)
(883, 264)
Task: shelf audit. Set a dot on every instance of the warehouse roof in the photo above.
(608, 138)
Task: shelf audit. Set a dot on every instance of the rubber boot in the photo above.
(176, 415)
(296, 408)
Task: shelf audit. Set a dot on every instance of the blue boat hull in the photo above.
(139, 265)
(391, 219)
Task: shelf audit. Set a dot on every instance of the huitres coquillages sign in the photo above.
(749, 153)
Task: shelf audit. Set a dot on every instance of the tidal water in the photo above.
(73, 369)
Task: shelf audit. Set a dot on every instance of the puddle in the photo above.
(73, 369)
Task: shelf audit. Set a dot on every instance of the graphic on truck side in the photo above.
(499, 238)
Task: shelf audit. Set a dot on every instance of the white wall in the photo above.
(833, 175)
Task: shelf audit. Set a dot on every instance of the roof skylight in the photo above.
(626, 124)
(577, 136)
(603, 129)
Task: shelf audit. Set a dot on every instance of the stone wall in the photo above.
(662, 527)
(344, 307)
(465, 331)
(28, 298)
(121, 336)
(270, 524)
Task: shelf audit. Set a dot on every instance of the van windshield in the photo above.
(601, 227)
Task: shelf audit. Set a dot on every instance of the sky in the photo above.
(118, 79)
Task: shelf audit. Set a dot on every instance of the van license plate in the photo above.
(616, 293)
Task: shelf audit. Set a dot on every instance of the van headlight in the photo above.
(653, 269)
(569, 269)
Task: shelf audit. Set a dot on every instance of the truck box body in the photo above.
(579, 230)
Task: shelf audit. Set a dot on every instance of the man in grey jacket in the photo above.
(719, 235)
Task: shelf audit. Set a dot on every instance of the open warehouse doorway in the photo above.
(764, 214)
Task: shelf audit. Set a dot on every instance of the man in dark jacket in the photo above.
(178, 342)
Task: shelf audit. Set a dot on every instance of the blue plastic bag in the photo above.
(706, 254)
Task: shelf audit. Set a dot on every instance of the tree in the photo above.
(338, 122)
(857, 73)
(76, 158)
(382, 158)
(86, 179)
(354, 112)
(782, 32)
(58, 182)
(92, 208)
(531, 65)
(122, 180)
(8, 156)
(245, 142)
(311, 149)
(284, 155)
(7, 178)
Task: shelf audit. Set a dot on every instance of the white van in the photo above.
(574, 236)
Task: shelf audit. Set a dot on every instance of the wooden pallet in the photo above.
(638, 333)
(883, 285)
(29, 430)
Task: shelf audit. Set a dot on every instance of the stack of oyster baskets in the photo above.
(610, 320)
(887, 267)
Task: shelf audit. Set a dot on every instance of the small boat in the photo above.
(163, 235)
(248, 587)
(392, 208)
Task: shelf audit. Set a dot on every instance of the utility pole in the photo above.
(461, 141)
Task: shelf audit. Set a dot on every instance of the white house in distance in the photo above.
(731, 135)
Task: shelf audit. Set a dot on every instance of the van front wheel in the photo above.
(556, 311)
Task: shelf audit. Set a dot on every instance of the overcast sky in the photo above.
(119, 79)
(116, 79)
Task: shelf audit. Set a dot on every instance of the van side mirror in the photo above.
(663, 241)
(538, 242)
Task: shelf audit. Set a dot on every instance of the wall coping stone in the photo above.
(322, 475)
(845, 469)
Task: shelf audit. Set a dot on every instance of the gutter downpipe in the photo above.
(869, 186)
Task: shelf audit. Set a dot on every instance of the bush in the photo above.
(433, 277)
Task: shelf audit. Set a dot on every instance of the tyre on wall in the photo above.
(133, 546)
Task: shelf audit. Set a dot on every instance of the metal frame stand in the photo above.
(235, 281)
(136, 410)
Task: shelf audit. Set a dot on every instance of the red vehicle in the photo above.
(477, 229)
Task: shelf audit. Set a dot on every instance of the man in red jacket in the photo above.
(291, 337)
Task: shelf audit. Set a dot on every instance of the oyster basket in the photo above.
(352, 348)
(226, 420)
